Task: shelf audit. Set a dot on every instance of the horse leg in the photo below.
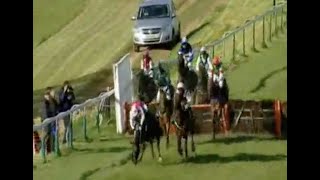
(142, 151)
(168, 125)
(213, 124)
(179, 144)
(186, 145)
(223, 120)
(158, 148)
(151, 147)
(193, 146)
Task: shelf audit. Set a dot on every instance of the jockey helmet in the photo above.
(216, 60)
(184, 40)
(180, 85)
(203, 49)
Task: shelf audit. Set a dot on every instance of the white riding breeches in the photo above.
(219, 79)
(166, 90)
(188, 96)
(148, 72)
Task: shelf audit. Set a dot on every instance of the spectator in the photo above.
(49, 109)
(66, 101)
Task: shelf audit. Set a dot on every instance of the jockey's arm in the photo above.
(198, 63)
(221, 79)
(141, 64)
(142, 115)
(150, 63)
(131, 118)
(210, 67)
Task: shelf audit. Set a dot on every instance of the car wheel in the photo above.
(136, 48)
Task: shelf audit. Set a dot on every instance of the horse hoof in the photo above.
(160, 159)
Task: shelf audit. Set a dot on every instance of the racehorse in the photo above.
(147, 87)
(166, 110)
(186, 75)
(148, 132)
(184, 121)
(218, 100)
(202, 87)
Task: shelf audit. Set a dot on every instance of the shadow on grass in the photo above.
(263, 80)
(193, 32)
(112, 139)
(86, 174)
(240, 157)
(211, 158)
(103, 150)
(238, 139)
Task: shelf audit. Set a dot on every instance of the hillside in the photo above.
(99, 35)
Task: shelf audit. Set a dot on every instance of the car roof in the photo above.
(154, 2)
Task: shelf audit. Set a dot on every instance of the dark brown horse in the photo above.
(146, 86)
(218, 100)
(149, 132)
(184, 121)
(187, 76)
(166, 110)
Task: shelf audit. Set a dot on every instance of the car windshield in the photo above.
(153, 11)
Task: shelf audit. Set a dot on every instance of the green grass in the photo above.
(263, 75)
(244, 157)
(51, 16)
(83, 50)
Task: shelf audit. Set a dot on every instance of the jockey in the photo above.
(137, 113)
(163, 81)
(146, 64)
(218, 78)
(204, 60)
(217, 64)
(186, 50)
(181, 89)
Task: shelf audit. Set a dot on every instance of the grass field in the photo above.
(107, 157)
(262, 75)
(83, 47)
(50, 16)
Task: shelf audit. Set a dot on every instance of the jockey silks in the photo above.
(204, 60)
(146, 63)
(138, 110)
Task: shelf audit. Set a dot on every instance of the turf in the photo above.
(263, 75)
(239, 156)
(49, 17)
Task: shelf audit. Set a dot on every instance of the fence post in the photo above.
(84, 119)
(264, 44)
(56, 140)
(234, 47)
(254, 35)
(70, 132)
(244, 41)
(98, 120)
(213, 51)
(276, 22)
(270, 28)
(282, 13)
(43, 145)
(224, 48)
